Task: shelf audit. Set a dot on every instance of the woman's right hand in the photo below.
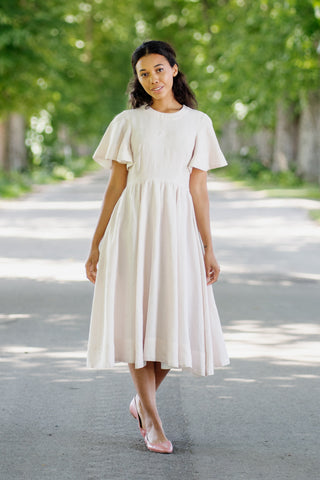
(91, 264)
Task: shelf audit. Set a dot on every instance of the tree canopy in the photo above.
(72, 59)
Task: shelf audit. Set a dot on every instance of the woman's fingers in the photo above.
(93, 274)
(91, 265)
(91, 270)
(212, 271)
(212, 276)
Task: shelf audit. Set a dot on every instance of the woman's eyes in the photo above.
(159, 70)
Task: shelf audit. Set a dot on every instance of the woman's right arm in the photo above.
(116, 185)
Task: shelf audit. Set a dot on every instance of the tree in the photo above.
(253, 62)
(30, 33)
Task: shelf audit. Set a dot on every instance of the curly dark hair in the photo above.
(181, 90)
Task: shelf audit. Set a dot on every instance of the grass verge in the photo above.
(315, 215)
(251, 173)
(15, 184)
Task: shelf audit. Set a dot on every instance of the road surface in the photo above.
(256, 419)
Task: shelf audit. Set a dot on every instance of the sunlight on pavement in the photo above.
(41, 270)
(14, 316)
(267, 229)
(259, 197)
(51, 232)
(296, 343)
(261, 242)
(22, 349)
(240, 274)
(28, 205)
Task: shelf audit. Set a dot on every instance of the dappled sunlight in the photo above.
(263, 241)
(259, 257)
(36, 352)
(56, 231)
(241, 380)
(257, 234)
(297, 343)
(240, 274)
(229, 191)
(67, 270)
(14, 316)
(16, 349)
(36, 361)
(30, 205)
(39, 217)
(268, 230)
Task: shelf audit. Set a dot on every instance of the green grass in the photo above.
(15, 184)
(311, 192)
(315, 215)
(251, 173)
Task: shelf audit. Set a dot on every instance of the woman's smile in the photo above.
(157, 89)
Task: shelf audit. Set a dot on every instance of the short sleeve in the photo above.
(115, 143)
(207, 153)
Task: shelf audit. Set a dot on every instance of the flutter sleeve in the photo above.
(207, 153)
(115, 143)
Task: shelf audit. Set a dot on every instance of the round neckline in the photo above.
(171, 114)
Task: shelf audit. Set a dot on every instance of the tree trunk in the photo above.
(308, 158)
(262, 140)
(234, 142)
(230, 139)
(65, 148)
(15, 148)
(83, 150)
(3, 144)
(285, 145)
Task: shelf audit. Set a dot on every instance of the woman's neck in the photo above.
(166, 105)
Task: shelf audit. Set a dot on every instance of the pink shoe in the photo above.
(162, 447)
(134, 412)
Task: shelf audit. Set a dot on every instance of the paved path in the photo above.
(257, 419)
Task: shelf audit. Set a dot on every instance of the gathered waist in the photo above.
(157, 181)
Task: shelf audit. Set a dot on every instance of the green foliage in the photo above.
(315, 215)
(243, 55)
(15, 184)
(30, 34)
(72, 59)
(252, 173)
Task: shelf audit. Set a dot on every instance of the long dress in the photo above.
(151, 299)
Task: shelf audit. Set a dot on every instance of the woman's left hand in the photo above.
(212, 267)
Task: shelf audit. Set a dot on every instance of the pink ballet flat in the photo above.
(163, 447)
(134, 412)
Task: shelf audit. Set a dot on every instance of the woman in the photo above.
(153, 305)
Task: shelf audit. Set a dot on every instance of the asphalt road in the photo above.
(256, 419)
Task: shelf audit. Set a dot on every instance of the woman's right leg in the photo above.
(146, 381)
(160, 374)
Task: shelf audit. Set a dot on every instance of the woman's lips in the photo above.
(157, 89)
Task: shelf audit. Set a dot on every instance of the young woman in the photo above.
(151, 258)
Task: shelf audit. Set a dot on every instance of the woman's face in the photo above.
(156, 75)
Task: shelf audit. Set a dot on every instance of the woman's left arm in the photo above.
(199, 193)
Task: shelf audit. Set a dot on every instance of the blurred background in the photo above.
(253, 65)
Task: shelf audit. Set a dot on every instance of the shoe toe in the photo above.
(162, 447)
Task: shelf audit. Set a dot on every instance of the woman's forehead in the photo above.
(150, 61)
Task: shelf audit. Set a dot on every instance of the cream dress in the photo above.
(151, 299)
